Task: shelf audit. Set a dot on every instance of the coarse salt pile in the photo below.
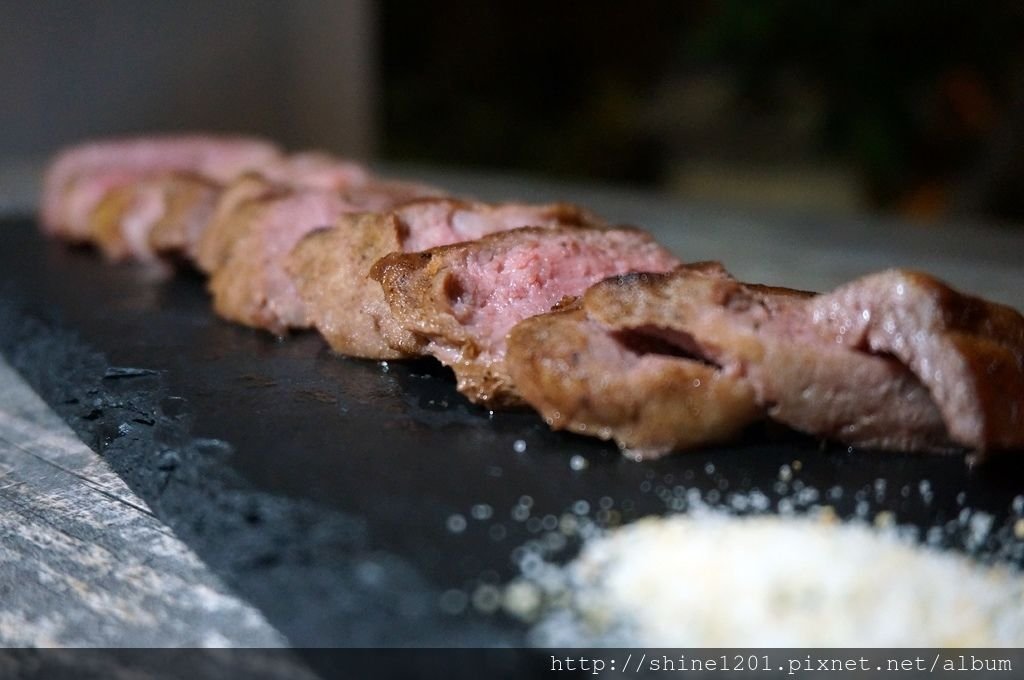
(718, 581)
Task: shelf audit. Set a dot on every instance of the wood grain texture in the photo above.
(83, 561)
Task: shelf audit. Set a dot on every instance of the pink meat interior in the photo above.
(316, 171)
(219, 158)
(73, 208)
(496, 288)
(442, 223)
(283, 225)
(291, 218)
(97, 168)
(148, 206)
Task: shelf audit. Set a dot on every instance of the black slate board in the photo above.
(320, 487)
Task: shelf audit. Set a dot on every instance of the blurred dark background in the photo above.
(914, 108)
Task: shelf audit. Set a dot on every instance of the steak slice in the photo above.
(800, 374)
(191, 211)
(191, 207)
(249, 282)
(968, 352)
(241, 202)
(331, 266)
(247, 197)
(458, 302)
(79, 178)
(249, 285)
(139, 219)
(584, 377)
(315, 170)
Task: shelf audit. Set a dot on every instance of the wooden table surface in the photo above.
(84, 562)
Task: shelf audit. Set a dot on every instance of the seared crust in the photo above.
(236, 209)
(435, 302)
(897, 360)
(106, 220)
(330, 267)
(419, 289)
(190, 205)
(800, 375)
(80, 177)
(258, 225)
(968, 352)
(238, 293)
(126, 219)
(249, 284)
(584, 378)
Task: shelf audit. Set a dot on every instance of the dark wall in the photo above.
(918, 105)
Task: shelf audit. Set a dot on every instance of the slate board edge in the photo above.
(304, 566)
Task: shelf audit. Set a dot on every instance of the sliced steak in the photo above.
(192, 206)
(250, 285)
(458, 302)
(800, 374)
(968, 352)
(79, 178)
(584, 377)
(241, 202)
(331, 266)
(249, 282)
(69, 214)
(139, 219)
(316, 170)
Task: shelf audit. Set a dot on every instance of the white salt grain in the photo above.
(522, 599)
(456, 524)
(453, 601)
(487, 598)
(481, 511)
(718, 581)
(578, 462)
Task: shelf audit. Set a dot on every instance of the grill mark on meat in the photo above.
(330, 267)
(458, 302)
